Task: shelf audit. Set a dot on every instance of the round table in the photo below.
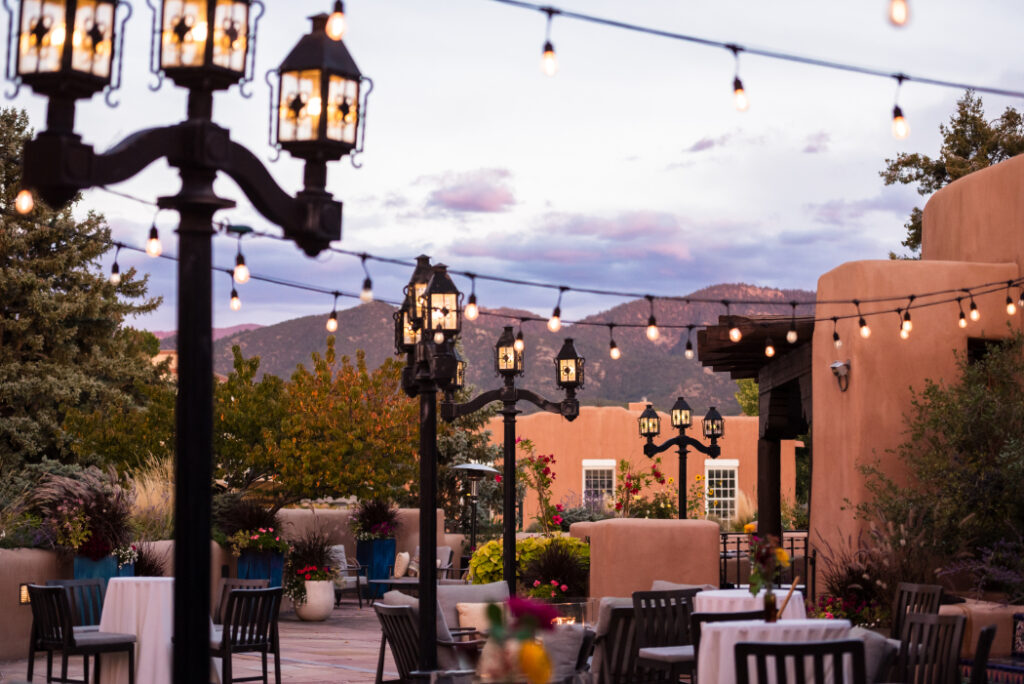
(736, 600)
(716, 662)
(143, 606)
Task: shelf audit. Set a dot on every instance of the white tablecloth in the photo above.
(716, 660)
(735, 600)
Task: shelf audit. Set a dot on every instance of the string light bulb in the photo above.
(520, 344)
(366, 294)
(153, 246)
(332, 320)
(836, 342)
(904, 333)
(472, 311)
(555, 322)
(652, 323)
(336, 23)
(115, 270)
(613, 349)
(769, 348)
(739, 96)
(548, 60)
(907, 324)
(24, 202)
(974, 314)
(899, 12)
(241, 273)
(1011, 306)
(900, 127)
(962, 320)
(865, 331)
(1020, 299)
(688, 352)
(735, 334)
(236, 303)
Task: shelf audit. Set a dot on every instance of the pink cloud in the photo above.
(483, 190)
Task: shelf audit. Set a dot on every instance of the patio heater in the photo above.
(475, 472)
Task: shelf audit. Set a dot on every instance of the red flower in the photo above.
(309, 576)
(497, 478)
(526, 609)
(557, 519)
(618, 506)
(559, 508)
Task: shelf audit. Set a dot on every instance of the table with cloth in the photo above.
(143, 606)
(736, 600)
(716, 660)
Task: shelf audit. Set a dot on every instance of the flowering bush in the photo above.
(536, 470)
(374, 519)
(766, 559)
(869, 614)
(562, 569)
(260, 539)
(631, 503)
(87, 512)
(126, 555)
(486, 564)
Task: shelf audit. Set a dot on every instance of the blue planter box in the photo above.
(267, 565)
(377, 555)
(104, 568)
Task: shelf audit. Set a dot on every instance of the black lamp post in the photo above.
(475, 472)
(69, 50)
(650, 427)
(509, 362)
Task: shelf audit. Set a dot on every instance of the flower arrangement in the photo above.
(513, 651)
(767, 558)
(374, 519)
(870, 614)
(260, 539)
(536, 470)
(561, 570)
(309, 560)
(629, 502)
(295, 579)
(126, 555)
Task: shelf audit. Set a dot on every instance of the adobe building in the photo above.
(588, 449)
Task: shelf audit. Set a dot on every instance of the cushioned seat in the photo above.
(668, 654)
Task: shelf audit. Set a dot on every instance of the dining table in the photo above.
(716, 662)
(737, 600)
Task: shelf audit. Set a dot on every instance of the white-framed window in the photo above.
(598, 483)
(720, 487)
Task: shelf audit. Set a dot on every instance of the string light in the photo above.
(962, 322)
(1011, 307)
(115, 270)
(900, 127)
(153, 246)
(548, 60)
(734, 332)
(520, 344)
(555, 322)
(769, 348)
(236, 303)
(652, 324)
(336, 23)
(791, 335)
(862, 324)
(739, 95)
(366, 294)
(241, 272)
(613, 349)
(1020, 299)
(904, 333)
(24, 202)
(332, 320)
(899, 13)
(836, 342)
(907, 324)
(688, 353)
(974, 314)
(472, 312)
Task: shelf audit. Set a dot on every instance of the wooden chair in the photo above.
(930, 649)
(52, 630)
(663, 632)
(697, 621)
(400, 628)
(914, 598)
(788, 663)
(85, 597)
(979, 668)
(227, 584)
(250, 625)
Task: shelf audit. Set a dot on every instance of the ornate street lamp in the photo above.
(569, 367)
(475, 472)
(649, 424)
(442, 303)
(509, 361)
(205, 44)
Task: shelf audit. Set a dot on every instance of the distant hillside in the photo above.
(169, 338)
(656, 371)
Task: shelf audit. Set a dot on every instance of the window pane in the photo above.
(598, 485)
(720, 492)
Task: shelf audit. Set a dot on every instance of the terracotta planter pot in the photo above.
(319, 601)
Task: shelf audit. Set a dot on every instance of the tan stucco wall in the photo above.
(863, 423)
(610, 432)
(17, 566)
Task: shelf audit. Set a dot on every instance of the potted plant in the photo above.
(374, 525)
(309, 575)
(260, 554)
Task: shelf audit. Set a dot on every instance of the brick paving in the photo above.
(343, 648)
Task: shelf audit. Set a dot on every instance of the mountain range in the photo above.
(652, 371)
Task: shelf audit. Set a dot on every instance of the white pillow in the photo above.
(475, 615)
(401, 563)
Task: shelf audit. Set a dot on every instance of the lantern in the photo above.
(442, 319)
(569, 366)
(507, 360)
(459, 381)
(66, 47)
(714, 424)
(408, 317)
(682, 414)
(318, 109)
(650, 423)
(204, 44)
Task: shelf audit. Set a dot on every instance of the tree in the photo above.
(63, 344)
(747, 396)
(969, 143)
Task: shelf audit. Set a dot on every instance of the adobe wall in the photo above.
(610, 432)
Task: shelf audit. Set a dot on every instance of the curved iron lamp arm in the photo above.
(713, 450)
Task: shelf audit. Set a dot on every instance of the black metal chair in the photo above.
(614, 660)
(663, 633)
(979, 668)
(250, 625)
(930, 649)
(400, 628)
(914, 598)
(85, 597)
(227, 584)
(789, 663)
(697, 621)
(52, 630)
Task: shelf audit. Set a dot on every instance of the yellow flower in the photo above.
(698, 478)
(534, 662)
(782, 557)
(711, 492)
(750, 528)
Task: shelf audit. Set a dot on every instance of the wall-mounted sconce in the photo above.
(23, 599)
(841, 369)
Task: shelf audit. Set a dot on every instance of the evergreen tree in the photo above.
(63, 345)
(969, 143)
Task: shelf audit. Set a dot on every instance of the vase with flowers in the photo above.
(375, 524)
(513, 652)
(260, 554)
(767, 559)
(309, 574)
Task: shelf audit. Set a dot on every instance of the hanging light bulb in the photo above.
(336, 23)
(907, 324)
(153, 246)
(236, 303)
(520, 344)
(734, 334)
(904, 334)
(366, 294)
(555, 322)
(613, 349)
(900, 127)
(769, 348)
(899, 12)
(1011, 307)
(24, 202)
(963, 320)
(241, 272)
(439, 337)
(332, 322)
(1020, 299)
(739, 96)
(115, 274)
(472, 311)
(688, 352)
(652, 329)
(975, 315)
(865, 331)
(548, 60)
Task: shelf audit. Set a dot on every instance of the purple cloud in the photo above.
(627, 226)
(839, 212)
(707, 143)
(483, 190)
(817, 143)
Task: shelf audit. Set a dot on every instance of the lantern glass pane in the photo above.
(42, 36)
(506, 358)
(301, 106)
(230, 34)
(343, 109)
(418, 290)
(460, 374)
(567, 370)
(92, 39)
(680, 418)
(444, 311)
(184, 34)
(410, 335)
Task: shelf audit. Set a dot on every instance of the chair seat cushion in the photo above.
(82, 629)
(563, 645)
(668, 654)
(103, 638)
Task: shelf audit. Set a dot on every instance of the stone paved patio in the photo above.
(344, 648)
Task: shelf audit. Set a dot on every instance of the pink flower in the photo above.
(554, 583)
(536, 583)
(277, 539)
(559, 508)
(557, 519)
(270, 529)
(518, 440)
(565, 587)
(552, 594)
(262, 530)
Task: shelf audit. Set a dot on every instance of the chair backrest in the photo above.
(930, 648)
(821, 662)
(51, 616)
(979, 669)
(444, 556)
(662, 617)
(85, 597)
(914, 598)
(697, 620)
(398, 623)
(227, 584)
(615, 648)
(250, 617)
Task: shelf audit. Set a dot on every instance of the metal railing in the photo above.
(734, 568)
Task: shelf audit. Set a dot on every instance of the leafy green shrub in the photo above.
(486, 564)
(562, 569)
(577, 514)
(232, 512)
